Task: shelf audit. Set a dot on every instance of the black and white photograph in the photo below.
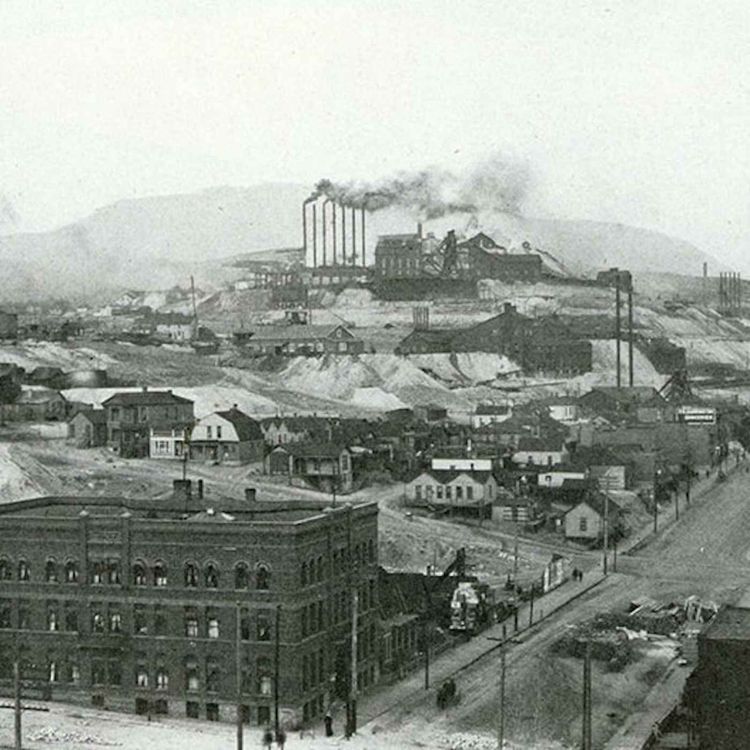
(374, 375)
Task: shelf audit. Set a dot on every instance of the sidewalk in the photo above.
(659, 702)
(456, 659)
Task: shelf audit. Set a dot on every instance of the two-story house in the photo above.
(138, 421)
(229, 436)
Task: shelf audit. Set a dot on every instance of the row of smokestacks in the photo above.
(730, 292)
(333, 234)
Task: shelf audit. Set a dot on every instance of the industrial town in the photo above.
(371, 453)
(369, 475)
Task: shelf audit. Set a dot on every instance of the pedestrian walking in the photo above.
(280, 739)
(267, 738)
(328, 721)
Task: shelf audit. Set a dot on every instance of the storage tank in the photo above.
(86, 379)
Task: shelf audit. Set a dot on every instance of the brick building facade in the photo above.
(143, 605)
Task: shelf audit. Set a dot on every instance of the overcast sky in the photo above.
(629, 111)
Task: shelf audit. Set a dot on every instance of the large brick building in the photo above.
(536, 344)
(145, 605)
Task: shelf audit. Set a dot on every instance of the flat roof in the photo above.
(174, 508)
(730, 624)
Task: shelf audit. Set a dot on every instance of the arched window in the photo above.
(113, 572)
(97, 622)
(162, 679)
(139, 574)
(241, 576)
(262, 577)
(71, 572)
(97, 572)
(212, 677)
(24, 573)
(191, 575)
(160, 574)
(212, 576)
(192, 676)
(50, 571)
(6, 570)
(264, 685)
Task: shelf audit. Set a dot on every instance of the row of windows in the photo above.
(428, 491)
(103, 572)
(313, 570)
(108, 618)
(313, 669)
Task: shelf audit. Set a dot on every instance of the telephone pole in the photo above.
(238, 660)
(586, 728)
(17, 703)
(606, 533)
(277, 649)
(352, 713)
(501, 720)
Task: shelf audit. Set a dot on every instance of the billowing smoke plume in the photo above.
(497, 183)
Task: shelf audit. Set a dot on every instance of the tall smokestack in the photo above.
(315, 236)
(304, 232)
(631, 371)
(333, 227)
(343, 235)
(618, 327)
(364, 260)
(325, 231)
(419, 230)
(354, 236)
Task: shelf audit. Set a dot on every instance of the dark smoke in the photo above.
(497, 183)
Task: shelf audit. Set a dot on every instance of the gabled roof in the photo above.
(313, 449)
(597, 455)
(595, 501)
(446, 476)
(38, 396)
(491, 409)
(95, 416)
(246, 427)
(145, 398)
(533, 444)
(297, 332)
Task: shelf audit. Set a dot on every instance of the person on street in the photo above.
(267, 738)
(328, 721)
(280, 739)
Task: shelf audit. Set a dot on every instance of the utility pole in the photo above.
(501, 720)
(586, 728)
(17, 703)
(656, 505)
(426, 636)
(515, 553)
(238, 666)
(606, 533)
(531, 606)
(353, 686)
(676, 505)
(195, 308)
(277, 654)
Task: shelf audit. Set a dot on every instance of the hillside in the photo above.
(158, 241)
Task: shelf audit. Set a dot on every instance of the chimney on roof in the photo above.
(234, 406)
(508, 307)
(144, 388)
(200, 489)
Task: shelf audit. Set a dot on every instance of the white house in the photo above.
(586, 520)
(229, 436)
(461, 464)
(564, 410)
(486, 414)
(457, 490)
(167, 443)
(540, 452)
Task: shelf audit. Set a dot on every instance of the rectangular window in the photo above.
(218, 432)
(459, 493)
(469, 493)
(191, 627)
(193, 710)
(209, 431)
(583, 523)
